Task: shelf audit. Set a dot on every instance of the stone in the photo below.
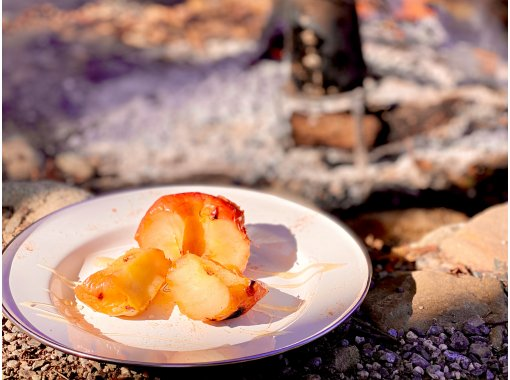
(474, 325)
(74, 167)
(38, 364)
(425, 252)
(434, 371)
(13, 364)
(34, 343)
(28, 202)
(482, 243)
(20, 160)
(418, 370)
(480, 350)
(389, 356)
(346, 358)
(477, 246)
(496, 336)
(435, 330)
(434, 298)
(9, 337)
(458, 341)
(332, 129)
(124, 372)
(315, 362)
(411, 336)
(419, 361)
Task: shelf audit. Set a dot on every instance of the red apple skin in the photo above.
(203, 224)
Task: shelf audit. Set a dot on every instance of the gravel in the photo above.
(351, 351)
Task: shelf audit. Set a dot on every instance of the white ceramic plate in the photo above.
(317, 274)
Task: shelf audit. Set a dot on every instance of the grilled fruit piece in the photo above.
(207, 291)
(203, 224)
(127, 285)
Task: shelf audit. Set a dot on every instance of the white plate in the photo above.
(317, 274)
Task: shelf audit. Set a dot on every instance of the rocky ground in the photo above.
(430, 205)
(437, 307)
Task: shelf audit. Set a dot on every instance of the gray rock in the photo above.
(418, 370)
(458, 341)
(74, 167)
(346, 358)
(9, 337)
(434, 371)
(20, 160)
(482, 243)
(434, 298)
(27, 202)
(480, 350)
(315, 362)
(496, 336)
(12, 364)
(474, 326)
(435, 330)
(389, 357)
(419, 361)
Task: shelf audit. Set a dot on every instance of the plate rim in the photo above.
(9, 253)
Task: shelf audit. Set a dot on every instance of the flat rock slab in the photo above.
(478, 246)
(419, 299)
(25, 202)
(482, 243)
(20, 160)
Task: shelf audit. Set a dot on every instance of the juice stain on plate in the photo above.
(286, 309)
(322, 267)
(43, 312)
(71, 284)
(162, 306)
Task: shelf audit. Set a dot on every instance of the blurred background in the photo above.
(115, 94)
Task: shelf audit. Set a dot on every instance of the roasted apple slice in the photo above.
(205, 290)
(127, 285)
(203, 224)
